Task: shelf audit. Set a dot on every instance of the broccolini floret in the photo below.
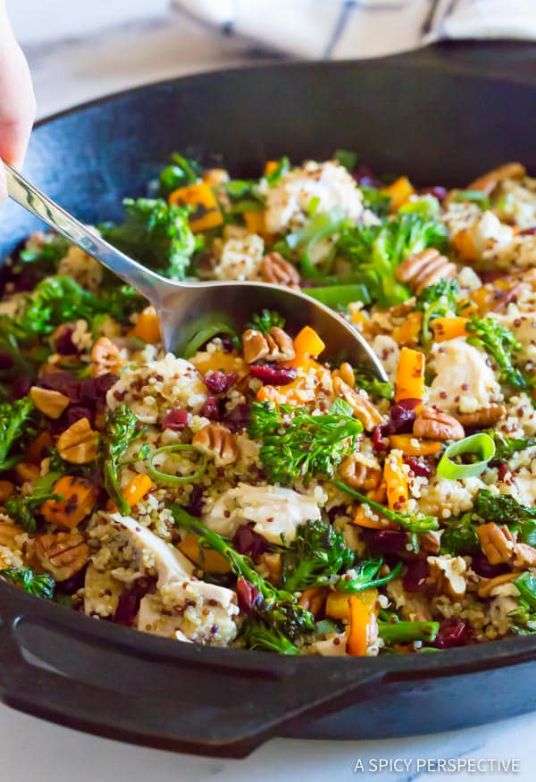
(500, 344)
(122, 428)
(413, 522)
(39, 584)
(14, 420)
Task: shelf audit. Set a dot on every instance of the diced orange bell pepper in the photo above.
(255, 222)
(78, 499)
(270, 166)
(358, 317)
(408, 332)
(409, 382)
(449, 328)
(411, 446)
(362, 519)
(218, 360)
(147, 327)
(464, 244)
(362, 623)
(208, 560)
(308, 342)
(137, 488)
(207, 213)
(396, 481)
(399, 192)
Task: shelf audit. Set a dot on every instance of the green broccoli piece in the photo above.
(437, 301)
(407, 632)
(297, 444)
(39, 584)
(366, 575)
(506, 447)
(181, 172)
(315, 557)
(15, 418)
(121, 429)
(460, 536)
(156, 234)
(23, 507)
(504, 509)
(413, 522)
(366, 380)
(500, 344)
(266, 320)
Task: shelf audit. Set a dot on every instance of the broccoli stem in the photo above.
(405, 632)
(412, 522)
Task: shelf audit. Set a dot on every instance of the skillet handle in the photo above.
(150, 691)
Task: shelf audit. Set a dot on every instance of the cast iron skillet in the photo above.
(431, 114)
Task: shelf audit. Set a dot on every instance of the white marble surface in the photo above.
(68, 72)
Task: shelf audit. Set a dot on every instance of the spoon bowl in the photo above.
(187, 310)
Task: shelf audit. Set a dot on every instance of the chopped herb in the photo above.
(266, 321)
(39, 584)
(500, 344)
(15, 418)
(366, 380)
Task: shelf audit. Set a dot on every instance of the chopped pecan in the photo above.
(217, 441)
(448, 575)
(50, 403)
(275, 269)
(62, 554)
(79, 443)
(435, 425)
(424, 269)
(362, 408)
(314, 600)
(487, 585)
(430, 542)
(105, 357)
(346, 373)
(361, 472)
(496, 542)
(489, 181)
(25, 471)
(275, 346)
(524, 555)
(480, 418)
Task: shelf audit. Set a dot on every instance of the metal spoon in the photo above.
(186, 308)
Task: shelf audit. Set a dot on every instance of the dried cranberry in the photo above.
(247, 541)
(503, 471)
(127, 609)
(528, 231)
(402, 416)
(175, 419)
(238, 418)
(452, 632)
(62, 381)
(418, 467)
(438, 191)
(21, 387)
(94, 389)
(64, 341)
(72, 584)
(364, 175)
(415, 576)
(273, 375)
(219, 382)
(195, 501)
(336, 510)
(6, 361)
(248, 595)
(211, 409)
(227, 343)
(388, 541)
(491, 276)
(482, 566)
(72, 414)
(379, 440)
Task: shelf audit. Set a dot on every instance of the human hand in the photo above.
(17, 101)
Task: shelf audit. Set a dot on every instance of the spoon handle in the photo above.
(133, 273)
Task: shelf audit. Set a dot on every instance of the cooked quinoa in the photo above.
(253, 492)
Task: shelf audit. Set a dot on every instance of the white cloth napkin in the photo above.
(363, 28)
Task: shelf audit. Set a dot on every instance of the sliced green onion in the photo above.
(475, 196)
(526, 583)
(339, 295)
(176, 480)
(481, 445)
(204, 335)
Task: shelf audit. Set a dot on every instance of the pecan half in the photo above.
(217, 441)
(485, 417)
(62, 554)
(314, 600)
(275, 269)
(50, 403)
(435, 425)
(362, 408)
(496, 542)
(448, 575)
(274, 346)
(79, 443)
(346, 373)
(105, 357)
(489, 181)
(361, 472)
(487, 585)
(425, 268)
